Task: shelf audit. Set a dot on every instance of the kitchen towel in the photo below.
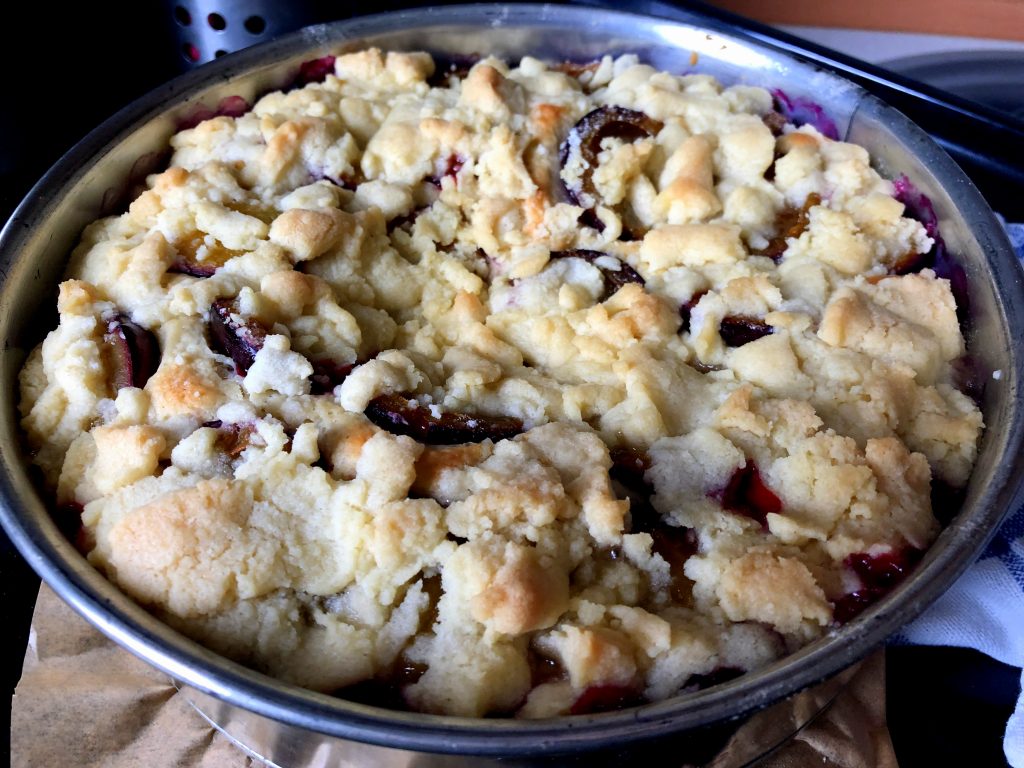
(984, 609)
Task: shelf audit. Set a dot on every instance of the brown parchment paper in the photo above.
(83, 701)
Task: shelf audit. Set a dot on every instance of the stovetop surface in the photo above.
(945, 706)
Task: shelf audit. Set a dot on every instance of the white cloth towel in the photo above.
(984, 609)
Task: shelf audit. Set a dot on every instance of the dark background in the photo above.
(68, 68)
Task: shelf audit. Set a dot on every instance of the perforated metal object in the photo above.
(208, 29)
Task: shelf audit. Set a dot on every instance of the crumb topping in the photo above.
(532, 390)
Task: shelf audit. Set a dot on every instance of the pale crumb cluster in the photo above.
(407, 230)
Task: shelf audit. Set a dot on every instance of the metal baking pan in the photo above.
(94, 178)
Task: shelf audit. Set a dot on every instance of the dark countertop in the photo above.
(945, 706)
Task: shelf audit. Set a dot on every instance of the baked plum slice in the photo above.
(747, 495)
(192, 268)
(790, 222)
(402, 415)
(799, 110)
(577, 68)
(447, 169)
(583, 145)
(241, 338)
(737, 330)
(327, 374)
(629, 466)
(314, 71)
(686, 310)
(232, 439)
(775, 122)
(607, 697)
(878, 574)
(614, 278)
(135, 352)
(675, 544)
(920, 208)
(238, 338)
(186, 260)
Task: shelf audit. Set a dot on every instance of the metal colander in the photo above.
(208, 29)
(204, 30)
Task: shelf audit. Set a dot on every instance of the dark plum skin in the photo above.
(238, 340)
(627, 473)
(136, 352)
(192, 268)
(397, 414)
(328, 374)
(802, 111)
(675, 544)
(883, 571)
(686, 309)
(737, 330)
(919, 207)
(747, 495)
(585, 139)
(775, 121)
(607, 698)
(314, 71)
(452, 165)
(613, 278)
(242, 340)
(629, 465)
(878, 574)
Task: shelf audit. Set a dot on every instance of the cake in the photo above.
(505, 390)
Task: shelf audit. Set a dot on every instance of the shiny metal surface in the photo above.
(992, 78)
(205, 30)
(733, 745)
(95, 176)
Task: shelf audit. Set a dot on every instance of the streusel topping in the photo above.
(530, 390)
